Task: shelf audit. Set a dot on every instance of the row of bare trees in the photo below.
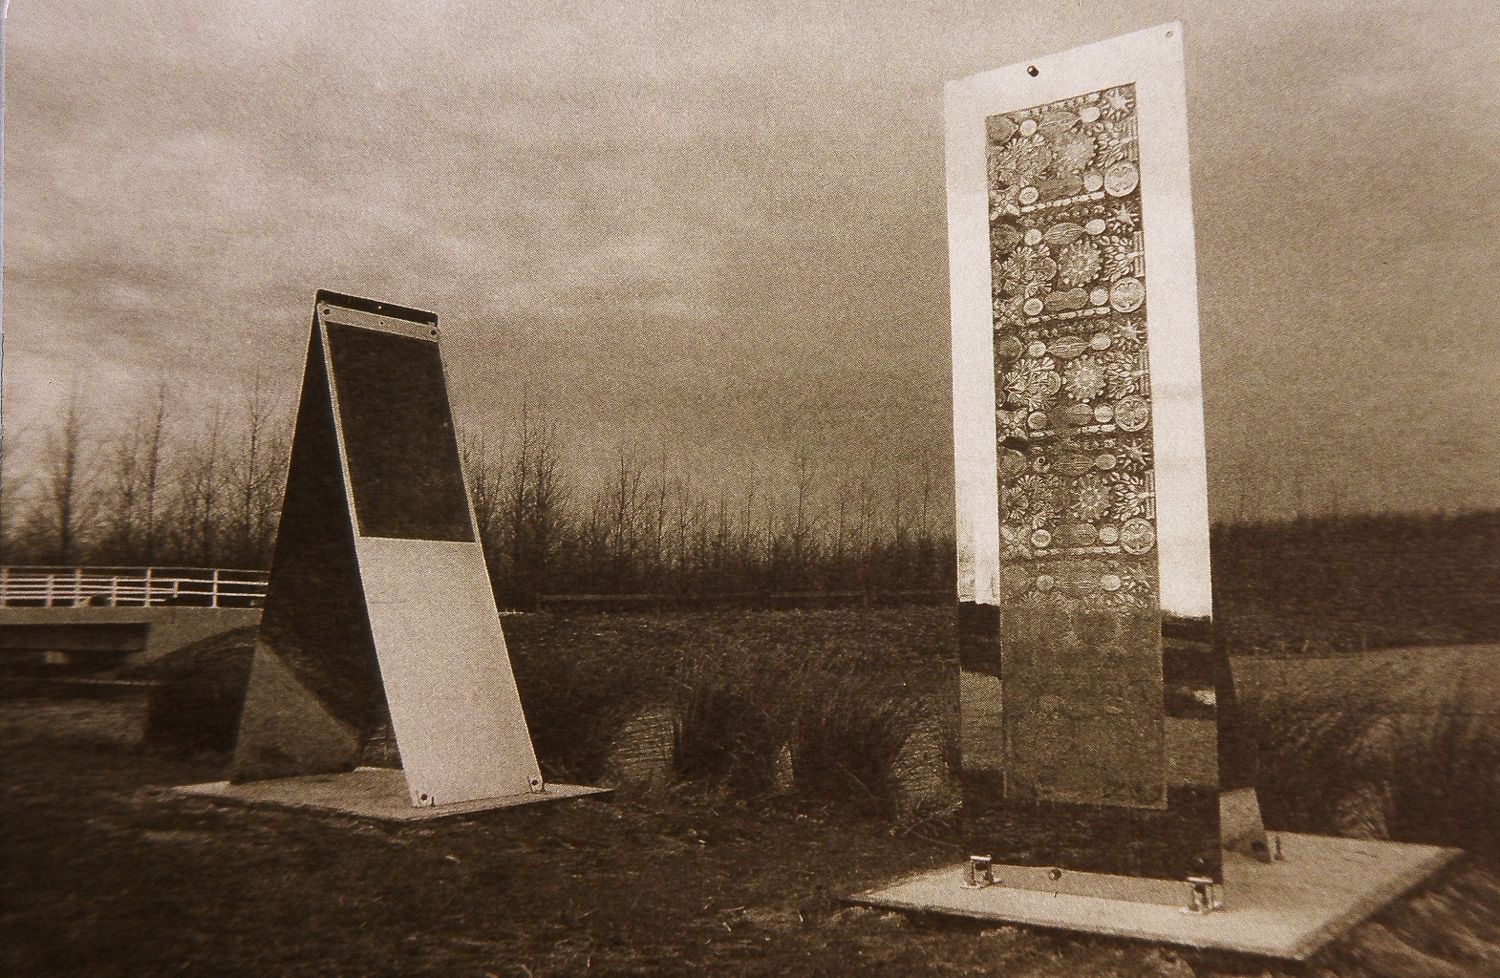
(162, 487)
(170, 487)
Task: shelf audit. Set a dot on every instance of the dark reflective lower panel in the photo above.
(1164, 825)
(315, 693)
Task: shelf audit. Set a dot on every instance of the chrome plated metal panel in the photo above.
(1081, 484)
(453, 699)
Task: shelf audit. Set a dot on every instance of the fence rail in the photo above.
(131, 587)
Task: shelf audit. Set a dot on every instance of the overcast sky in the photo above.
(717, 230)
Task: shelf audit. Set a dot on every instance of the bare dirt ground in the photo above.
(108, 874)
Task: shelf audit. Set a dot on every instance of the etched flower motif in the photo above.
(1084, 378)
(1120, 255)
(1011, 424)
(1132, 496)
(1004, 236)
(1032, 383)
(1071, 152)
(1115, 143)
(1092, 496)
(1020, 161)
(1005, 203)
(1126, 374)
(1077, 263)
(1008, 311)
(1034, 501)
(1136, 454)
(1123, 218)
(1028, 271)
(1014, 550)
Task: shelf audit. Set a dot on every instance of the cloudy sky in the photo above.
(717, 230)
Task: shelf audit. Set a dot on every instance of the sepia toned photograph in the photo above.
(765, 489)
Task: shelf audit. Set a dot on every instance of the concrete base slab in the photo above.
(367, 792)
(1287, 909)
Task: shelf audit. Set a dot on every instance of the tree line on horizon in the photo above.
(155, 490)
(166, 489)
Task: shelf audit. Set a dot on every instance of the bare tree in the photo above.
(10, 490)
(486, 487)
(201, 489)
(67, 482)
(151, 478)
(251, 474)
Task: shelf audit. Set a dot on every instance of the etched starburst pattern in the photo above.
(1072, 151)
(1123, 218)
(1077, 263)
(1135, 454)
(1118, 103)
(1084, 378)
(1092, 497)
(1128, 332)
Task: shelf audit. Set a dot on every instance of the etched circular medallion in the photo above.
(1099, 296)
(1104, 461)
(1045, 582)
(1108, 535)
(1132, 412)
(1121, 178)
(1036, 348)
(1089, 114)
(1104, 414)
(1008, 348)
(1096, 226)
(1032, 306)
(1040, 538)
(1100, 341)
(1110, 582)
(1093, 180)
(1029, 195)
(1127, 294)
(1033, 236)
(1028, 127)
(1137, 536)
(1036, 420)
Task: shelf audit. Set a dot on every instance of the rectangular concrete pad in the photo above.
(1287, 909)
(373, 793)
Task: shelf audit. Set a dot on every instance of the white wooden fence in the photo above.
(130, 587)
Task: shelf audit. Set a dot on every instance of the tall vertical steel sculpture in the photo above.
(1092, 694)
(1106, 783)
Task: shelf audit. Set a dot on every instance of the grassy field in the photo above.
(1351, 583)
(107, 874)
